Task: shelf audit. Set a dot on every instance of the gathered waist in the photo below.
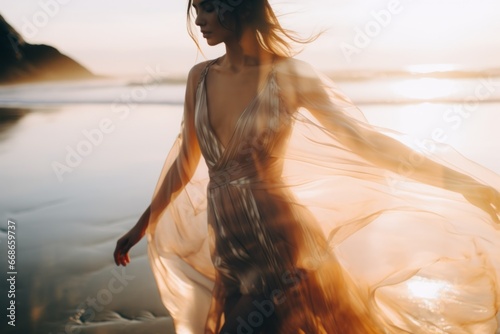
(238, 174)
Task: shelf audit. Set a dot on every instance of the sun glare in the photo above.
(426, 289)
(418, 120)
(425, 88)
(432, 68)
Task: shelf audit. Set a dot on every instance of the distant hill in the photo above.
(24, 62)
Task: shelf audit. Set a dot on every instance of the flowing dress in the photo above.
(334, 242)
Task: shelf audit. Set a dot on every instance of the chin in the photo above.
(213, 42)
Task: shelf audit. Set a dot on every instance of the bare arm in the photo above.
(385, 151)
(176, 178)
(188, 158)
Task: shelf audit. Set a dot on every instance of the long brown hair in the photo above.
(259, 15)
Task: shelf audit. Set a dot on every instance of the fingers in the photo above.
(496, 202)
(492, 211)
(495, 205)
(488, 199)
(120, 254)
(124, 244)
(496, 212)
(124, 259)
(494, 215)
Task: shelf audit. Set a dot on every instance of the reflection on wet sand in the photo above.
(10, 117)
(67, 231)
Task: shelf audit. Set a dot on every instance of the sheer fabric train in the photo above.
(394, 254)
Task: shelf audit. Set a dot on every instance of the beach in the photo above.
(79, 164)
(67, 226)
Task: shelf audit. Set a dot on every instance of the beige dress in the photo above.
(334, 241)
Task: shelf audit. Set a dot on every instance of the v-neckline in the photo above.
(238, 121)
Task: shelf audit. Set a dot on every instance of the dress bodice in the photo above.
(258, 136)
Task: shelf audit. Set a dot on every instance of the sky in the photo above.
(127, 37)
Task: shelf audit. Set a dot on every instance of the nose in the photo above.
(199, 20)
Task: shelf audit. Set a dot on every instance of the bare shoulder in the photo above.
(293, 76)
(192, 83)
(195, 73)
(295, 67)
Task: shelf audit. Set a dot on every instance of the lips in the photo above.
(205, 33)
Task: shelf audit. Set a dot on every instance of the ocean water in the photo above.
(363, 90)
(462, 107)
(79, 162)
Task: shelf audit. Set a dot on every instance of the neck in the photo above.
(245, 52)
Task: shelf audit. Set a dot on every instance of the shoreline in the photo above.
(67, 230)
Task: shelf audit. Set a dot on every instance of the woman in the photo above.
(306, 232)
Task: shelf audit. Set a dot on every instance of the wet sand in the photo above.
(67, 226)
(72, 193)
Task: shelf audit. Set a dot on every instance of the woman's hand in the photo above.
(485, 198)
(125, 243)
(132, 237)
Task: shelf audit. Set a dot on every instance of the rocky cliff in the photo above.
(24, 62)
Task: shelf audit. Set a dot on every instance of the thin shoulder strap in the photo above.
(205, 70)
